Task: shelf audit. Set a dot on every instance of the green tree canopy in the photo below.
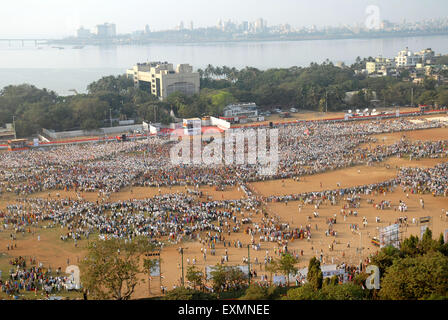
(112, 267)
(418, 277)
(314, 276)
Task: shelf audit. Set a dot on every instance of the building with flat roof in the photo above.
(407, 58)
(161, 79)
(7, 133)
(83, 33)
(241, 110)
(379, 65)
(427, 56)
(106, 30)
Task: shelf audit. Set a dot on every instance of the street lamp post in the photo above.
(14, 125)
(248, 261)
(182, 254)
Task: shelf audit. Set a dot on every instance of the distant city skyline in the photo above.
(262, 25)
(55, 18)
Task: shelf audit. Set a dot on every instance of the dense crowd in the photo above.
(304, 148)
(35, 279)
(170, 216)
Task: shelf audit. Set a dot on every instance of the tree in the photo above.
(218, 101)
(442, 98)
(89, 124)
(428, 97)
(255, 292)
(195, 276)
(219, 277)
(314, 276)
(112, 267)
(409, 247)
(271, 267)
(236, 278)
(346, 291)
(385, 258)
(224, 276)
(427, 243)
(414, 278)
(442, 246)
(305, 292)
(286, 265)
(429, 83)
(117, 84)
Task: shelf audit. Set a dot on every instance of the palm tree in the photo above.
(209, 71)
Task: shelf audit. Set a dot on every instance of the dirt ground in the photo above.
(53, 252)
(325, 181)
(422, 135)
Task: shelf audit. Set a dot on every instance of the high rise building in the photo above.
(106, 30)
(83, 33)
(161, 80)
(260, 25)
(220, 25)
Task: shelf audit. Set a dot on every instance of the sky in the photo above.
(60, 18)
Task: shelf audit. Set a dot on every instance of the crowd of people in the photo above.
(172, 216)
(304, 148)
(35, 279)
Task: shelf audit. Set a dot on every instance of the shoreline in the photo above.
(249, 40)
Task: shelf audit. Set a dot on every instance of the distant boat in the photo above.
(78, 47)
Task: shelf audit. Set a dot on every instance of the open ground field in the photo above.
(422, 135)
(54, 253)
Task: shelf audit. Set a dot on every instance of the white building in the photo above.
(426, 55)
(260, 25)
(192, 127)
(328, 271)
(106, 30)
(161, 80)
(83, 33)
(407, 58)
(379, 65)
(249, 110)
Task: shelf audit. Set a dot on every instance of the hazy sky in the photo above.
(62, 17)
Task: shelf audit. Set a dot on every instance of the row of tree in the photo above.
(317, 87)
(418, 270)
(322, 86)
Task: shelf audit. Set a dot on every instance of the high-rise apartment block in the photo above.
(161, 79)
(106, 30)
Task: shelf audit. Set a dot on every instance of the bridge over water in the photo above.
(24, 40)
